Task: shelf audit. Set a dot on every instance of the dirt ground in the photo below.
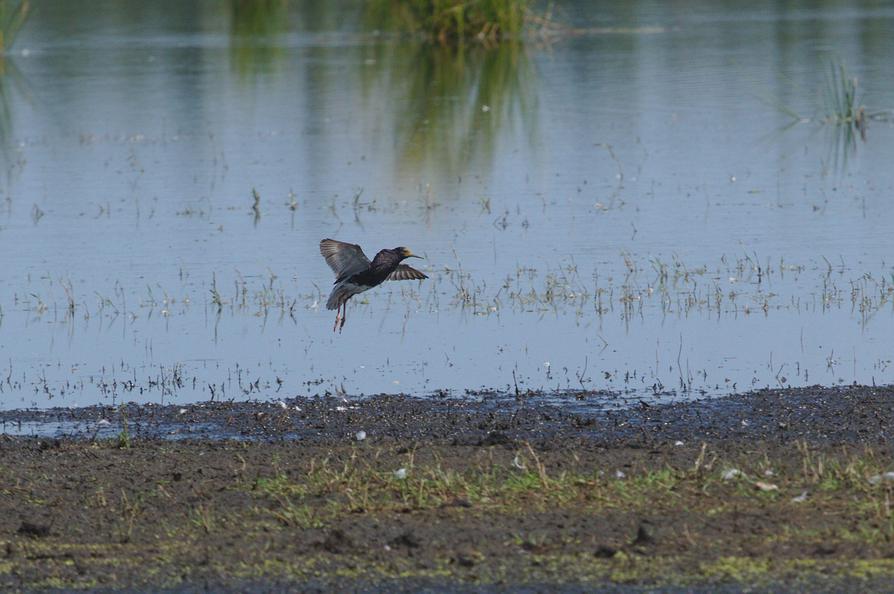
(768, 491)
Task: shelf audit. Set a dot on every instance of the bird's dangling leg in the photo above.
(344, 316)
(337, 318)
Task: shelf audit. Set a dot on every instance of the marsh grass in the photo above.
(733, 285)
(842, 100)
(124, 435)
(634, 292)
(841, 112)
(450, 21)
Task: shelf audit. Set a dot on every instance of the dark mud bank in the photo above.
(817, 414)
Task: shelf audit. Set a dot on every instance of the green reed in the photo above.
(447, 21)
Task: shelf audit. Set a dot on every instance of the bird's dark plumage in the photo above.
(354, 273)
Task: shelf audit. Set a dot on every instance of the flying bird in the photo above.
(354, 273)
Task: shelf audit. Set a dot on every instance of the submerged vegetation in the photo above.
(734, 292)
(731, 286)
(447, 21)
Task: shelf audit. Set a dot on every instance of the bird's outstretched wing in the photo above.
(345, 259)
(404, 272)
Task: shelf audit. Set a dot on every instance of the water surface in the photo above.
(627, 210)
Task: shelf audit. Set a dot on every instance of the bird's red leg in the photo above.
(337, 318)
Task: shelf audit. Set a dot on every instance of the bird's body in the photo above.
(354, 273)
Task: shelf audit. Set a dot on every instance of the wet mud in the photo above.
(773, 489)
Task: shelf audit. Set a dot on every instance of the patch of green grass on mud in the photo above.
(567, 569)
(363, 487)
(271, 521)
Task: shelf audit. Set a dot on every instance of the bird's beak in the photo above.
(409, 254)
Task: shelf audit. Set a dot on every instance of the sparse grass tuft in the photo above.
(202, 517)
(124, 434)
(841, 99)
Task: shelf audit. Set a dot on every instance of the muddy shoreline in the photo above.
(771, 489)
(818, 414)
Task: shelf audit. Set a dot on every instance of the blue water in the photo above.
(547, 186)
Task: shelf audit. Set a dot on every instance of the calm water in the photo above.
(627, 210)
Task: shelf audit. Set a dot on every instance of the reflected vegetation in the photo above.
(458, 101)
(841, 146)
(843, 116)
(254, 26)
(14, 88)
(8, 75)
(13, 15)
(845, 113)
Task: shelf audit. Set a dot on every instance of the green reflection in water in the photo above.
(254, 26)
(845, 116)
(450, 103)
(842, 117)
(13, 14)
(841, 143)
(13, 86)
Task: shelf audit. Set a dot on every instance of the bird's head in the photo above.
(405, 253)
